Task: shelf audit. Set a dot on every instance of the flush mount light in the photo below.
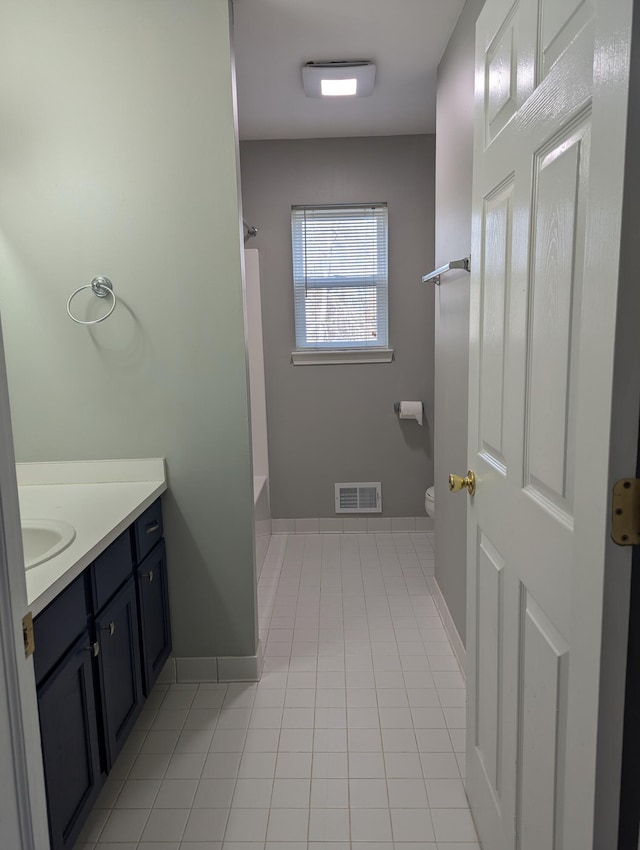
(338, 78)
(338, 88)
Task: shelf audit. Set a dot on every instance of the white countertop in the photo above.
(100, 499)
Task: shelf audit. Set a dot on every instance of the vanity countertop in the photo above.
(100, 499)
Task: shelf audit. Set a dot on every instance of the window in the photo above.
(340, 281)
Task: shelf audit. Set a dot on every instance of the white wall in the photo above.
(259, 444)
(118, 157)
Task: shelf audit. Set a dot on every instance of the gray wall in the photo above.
(336, 423)
(118, 157)
(454, 161)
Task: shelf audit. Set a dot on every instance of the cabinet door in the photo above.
(119, 668)
(155, 628)
(70, 747)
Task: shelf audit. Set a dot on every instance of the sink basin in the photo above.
(42, 539)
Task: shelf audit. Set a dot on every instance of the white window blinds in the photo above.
(340, 276)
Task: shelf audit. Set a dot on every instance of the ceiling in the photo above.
(274, 38)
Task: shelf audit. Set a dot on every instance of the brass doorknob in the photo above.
(457, 483)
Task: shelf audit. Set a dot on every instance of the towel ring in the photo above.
(100, 286)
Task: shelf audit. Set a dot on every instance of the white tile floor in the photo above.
(353, 740)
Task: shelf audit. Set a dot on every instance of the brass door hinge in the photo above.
(625, 512)
(27, 634)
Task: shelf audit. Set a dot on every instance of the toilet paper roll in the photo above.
(411, 410)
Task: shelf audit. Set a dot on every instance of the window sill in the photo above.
(326, 357)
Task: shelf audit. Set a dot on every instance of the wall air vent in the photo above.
(359, 498)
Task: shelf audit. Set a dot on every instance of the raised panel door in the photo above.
(70, 744)
(120, 679)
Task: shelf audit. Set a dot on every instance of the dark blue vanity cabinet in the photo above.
(155, 629)
(100, 646)
(70, 743)
(153, 594)
(119, 672)
(115, 622)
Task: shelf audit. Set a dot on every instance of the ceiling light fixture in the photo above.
(338, 78)
(338, 88)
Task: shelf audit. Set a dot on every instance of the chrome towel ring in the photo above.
(100, 286)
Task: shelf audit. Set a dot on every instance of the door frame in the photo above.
(19, 714)
(629, 820)
(622, 590)
(629, 825)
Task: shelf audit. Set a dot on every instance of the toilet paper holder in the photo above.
(397, 404)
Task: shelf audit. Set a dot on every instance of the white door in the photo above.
(548, 178)
(23, 814)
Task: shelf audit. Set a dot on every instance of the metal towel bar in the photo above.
(465, 264)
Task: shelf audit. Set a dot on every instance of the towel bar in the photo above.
(465, 264)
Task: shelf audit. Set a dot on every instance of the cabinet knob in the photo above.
(94, 649)
(110, 628)
(148, 575)
(154, 526)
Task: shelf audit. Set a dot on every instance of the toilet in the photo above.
(430, 501)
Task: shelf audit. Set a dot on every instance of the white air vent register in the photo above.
(359, 497)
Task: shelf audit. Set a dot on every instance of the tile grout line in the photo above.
(379, 583)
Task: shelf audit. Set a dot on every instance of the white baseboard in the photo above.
(352, 525)
(204, 669)
(168, 673)
(262, 541)
(450, 626)
(244, 668)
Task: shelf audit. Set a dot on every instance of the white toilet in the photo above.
(430, 501)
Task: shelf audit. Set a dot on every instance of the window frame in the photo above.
(340, 351)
